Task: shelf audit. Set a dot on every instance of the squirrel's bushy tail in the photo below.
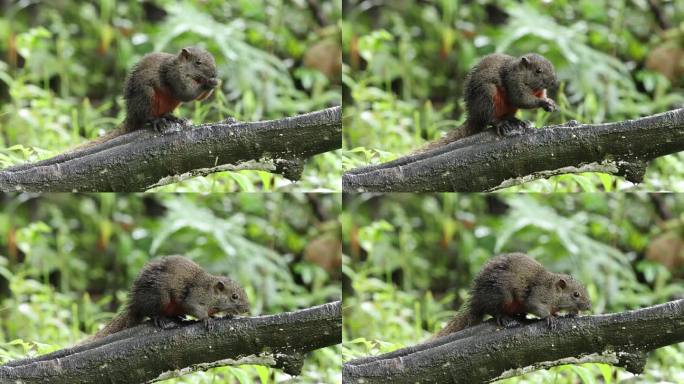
(79, 150)
(455, 134)
(118, 131)
(464, 318)
(120, 322)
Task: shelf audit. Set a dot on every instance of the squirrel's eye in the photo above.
(539, 70)
(234, 296)
(576, 294)
(198, 62)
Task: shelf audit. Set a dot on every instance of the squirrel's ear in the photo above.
(185, 53)
(220, 286)
(561, 283)
(524, 60)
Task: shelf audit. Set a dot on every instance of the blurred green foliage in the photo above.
(67, 261)
(63, 65)
(405, 61)
(409, 261)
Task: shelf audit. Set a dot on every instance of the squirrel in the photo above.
(512, 285)
(160, 81)
(155, 86)
(174, 286)
(496, 88)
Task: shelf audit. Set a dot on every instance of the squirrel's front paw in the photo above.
(548, 105)
(229, 120)
(209, 323)
(551, 322)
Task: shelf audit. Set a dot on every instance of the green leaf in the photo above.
(584, 374)
(606, 372)
(242, 376)
(242, 180)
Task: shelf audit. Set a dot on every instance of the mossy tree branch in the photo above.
(144, 159)
(144, 353)
(485, 162)
(486, 353)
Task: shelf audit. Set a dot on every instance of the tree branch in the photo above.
(144, 353)
(485, 162)
(486, 353)
(142, 159)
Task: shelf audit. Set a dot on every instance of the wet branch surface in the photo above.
(485, 353)
(145, 353)
(486, 162)
(143, 159)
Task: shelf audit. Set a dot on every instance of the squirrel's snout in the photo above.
(244, 308)
(207, 82)
(212, 82)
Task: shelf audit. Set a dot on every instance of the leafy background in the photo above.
(67, 261)
(405, 61)
(63, 64)
(409, 261)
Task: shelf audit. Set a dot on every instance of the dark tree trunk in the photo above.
(485, 353)
(143, 159)
(144, 353)
(485, 162)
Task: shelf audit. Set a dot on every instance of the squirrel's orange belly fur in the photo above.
(163, 102)
(513, 307)
(173, 308)
(502, 108)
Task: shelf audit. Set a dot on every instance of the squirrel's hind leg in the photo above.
(166, 122)
(164, 322)
(511, 126)
(507, 321)
(175, 119)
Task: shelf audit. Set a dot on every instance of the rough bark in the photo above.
(485, 162)
(144, 353)
(143, 159)
(485, 353)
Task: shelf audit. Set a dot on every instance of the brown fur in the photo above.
(154, 88)
(512, 285)
(175, 286)
(496, 88)
(162, 81)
